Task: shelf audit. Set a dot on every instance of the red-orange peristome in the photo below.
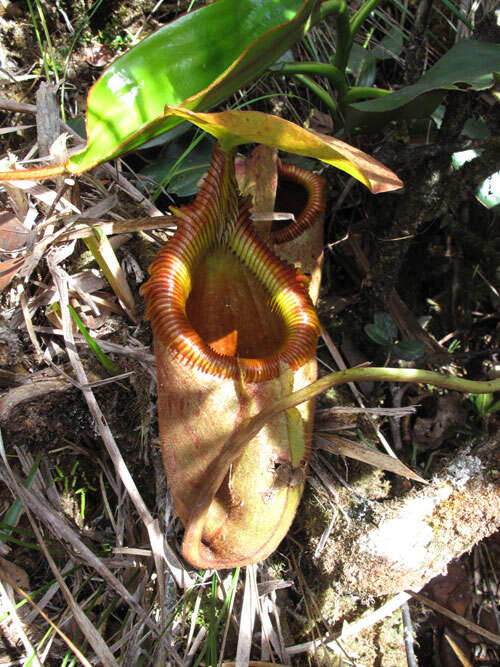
(180, 280)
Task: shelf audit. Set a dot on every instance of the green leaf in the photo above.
(362, 65)
(409, 350)
(377, 334)
(178, 168)
(482, 403)
(489, 192)
(362, 61)
(391, 46)
(385, 322)
(495, 407)
(469, 64)
(383, 330)
(197, 60)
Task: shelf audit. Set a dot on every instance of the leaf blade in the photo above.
(469, 62)
(233, 128)
(355, 450)
(197, 60)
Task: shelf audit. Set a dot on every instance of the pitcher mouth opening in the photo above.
(299, 192)
(221, 300)
(231, 310)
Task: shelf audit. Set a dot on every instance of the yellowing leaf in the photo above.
(233, 128)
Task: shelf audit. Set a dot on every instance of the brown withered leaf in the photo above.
(8, 270)
(99, 55)
(321, 122)
(12, 572)
(13, 234)
(258, 177)
(355, 450)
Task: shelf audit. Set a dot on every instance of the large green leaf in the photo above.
(233, 128)
(469, 64)
(197, 60)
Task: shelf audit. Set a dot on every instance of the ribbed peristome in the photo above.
(215, 267)
(306, 186)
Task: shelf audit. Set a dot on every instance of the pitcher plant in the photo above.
(235, 329)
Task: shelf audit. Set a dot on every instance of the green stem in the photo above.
(359, 93)
(254, 425)
(358, 17)
(333, 74)
(234, 446)
(344, 41)
(400, 375)
(48, 39)
(323, 95)
(327, 8)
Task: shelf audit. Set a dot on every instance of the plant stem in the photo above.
(327, 8)
(323, 95)
(362, 13)
(334, 75)
(254, 425)
(404, 375)
(32, 174)
(358, 93)
(344, 41)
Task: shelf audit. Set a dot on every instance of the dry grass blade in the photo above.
(47, 197)
(89, 631)
(255, 663)
(41, 508)
(202, 633)
(228, 620)
(465, 662)
(28, 322)
(20, 107)
(17, 623)
(355, 450)
(352, 629)
(146, 223)
(131, 190)
(47, 596)
(349, 410)
(194, 621)
(103, 253)
(119, 226)
(158, 543)
(337, 357)
(472, 627)
(270, 638)
(248, 611)
(64, 637)
(313, 614)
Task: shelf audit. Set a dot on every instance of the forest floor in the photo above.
(425, 261)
